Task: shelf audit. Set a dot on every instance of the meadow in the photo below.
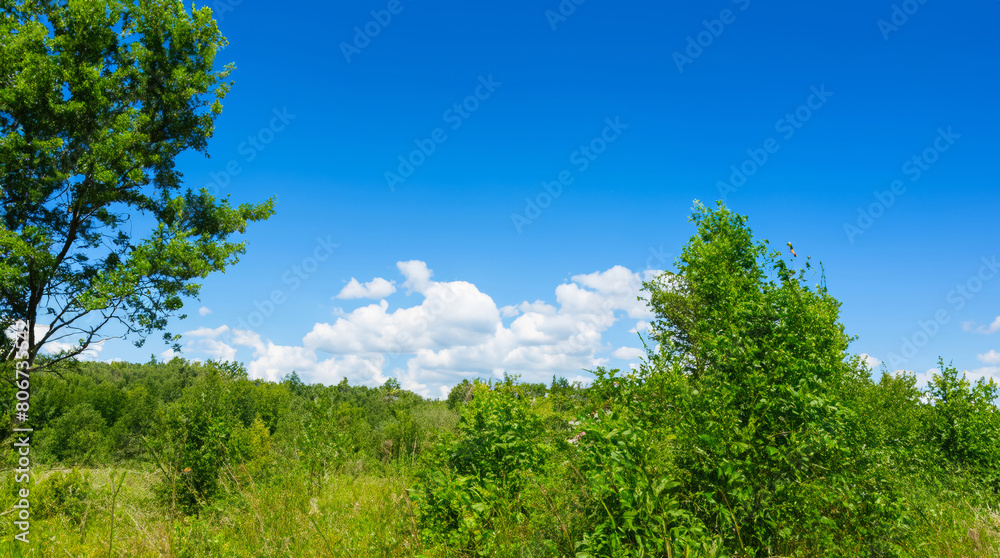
(748, 430)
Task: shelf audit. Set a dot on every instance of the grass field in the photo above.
(352, 515)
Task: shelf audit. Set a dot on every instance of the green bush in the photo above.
(61, 494)
(966, 423)
(468, 484)
(636, 507)
(499, 435)
(250, 450)
(754, 365)
(79, 436)
(191, 442)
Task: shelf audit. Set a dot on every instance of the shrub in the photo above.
(467, 484)
(754, 364)
(191, 442)
(499, 435)
(966, 422)
(636, 507)
(68, 495)
(79, 436)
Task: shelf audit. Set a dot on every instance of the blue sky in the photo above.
(804, 116)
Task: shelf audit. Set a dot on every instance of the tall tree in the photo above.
(97, 99)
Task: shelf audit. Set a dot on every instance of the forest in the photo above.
(748, 430)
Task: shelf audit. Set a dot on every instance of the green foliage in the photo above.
(626, 463)
(251, 448)
(328, 437)
(750, 432)
(755, 362)
(98, 100)
(78, 436)
(460, 394)
(66, 494)
(499, 435)
(469, 483)
(966, 422)
(193, 439)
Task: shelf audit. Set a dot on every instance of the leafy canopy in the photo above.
(97, 99)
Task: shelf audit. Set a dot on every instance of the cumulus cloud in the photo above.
(628, 353)
(376, 288)
(273, 362)
(207, 340)
(641, 326)
(168, 355)
(923, 378)
(417, 275)
(986, 373)
(991, 357)
(204, 311)
(451, 331)
(509, 311)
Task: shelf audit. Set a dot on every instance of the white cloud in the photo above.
(417, 275)
(168, 355)
(991, 357)
(273, 362)
(55, 347)
(924, 378)
(985, 330)
(208, 332)
(206, 340)
(452, 331)
(509, 311)
(628, 353)
(93, 351)
(992, 328)
(642, 326)
(218, 350)
(376, 288)
(986, 372)
(204, 311)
